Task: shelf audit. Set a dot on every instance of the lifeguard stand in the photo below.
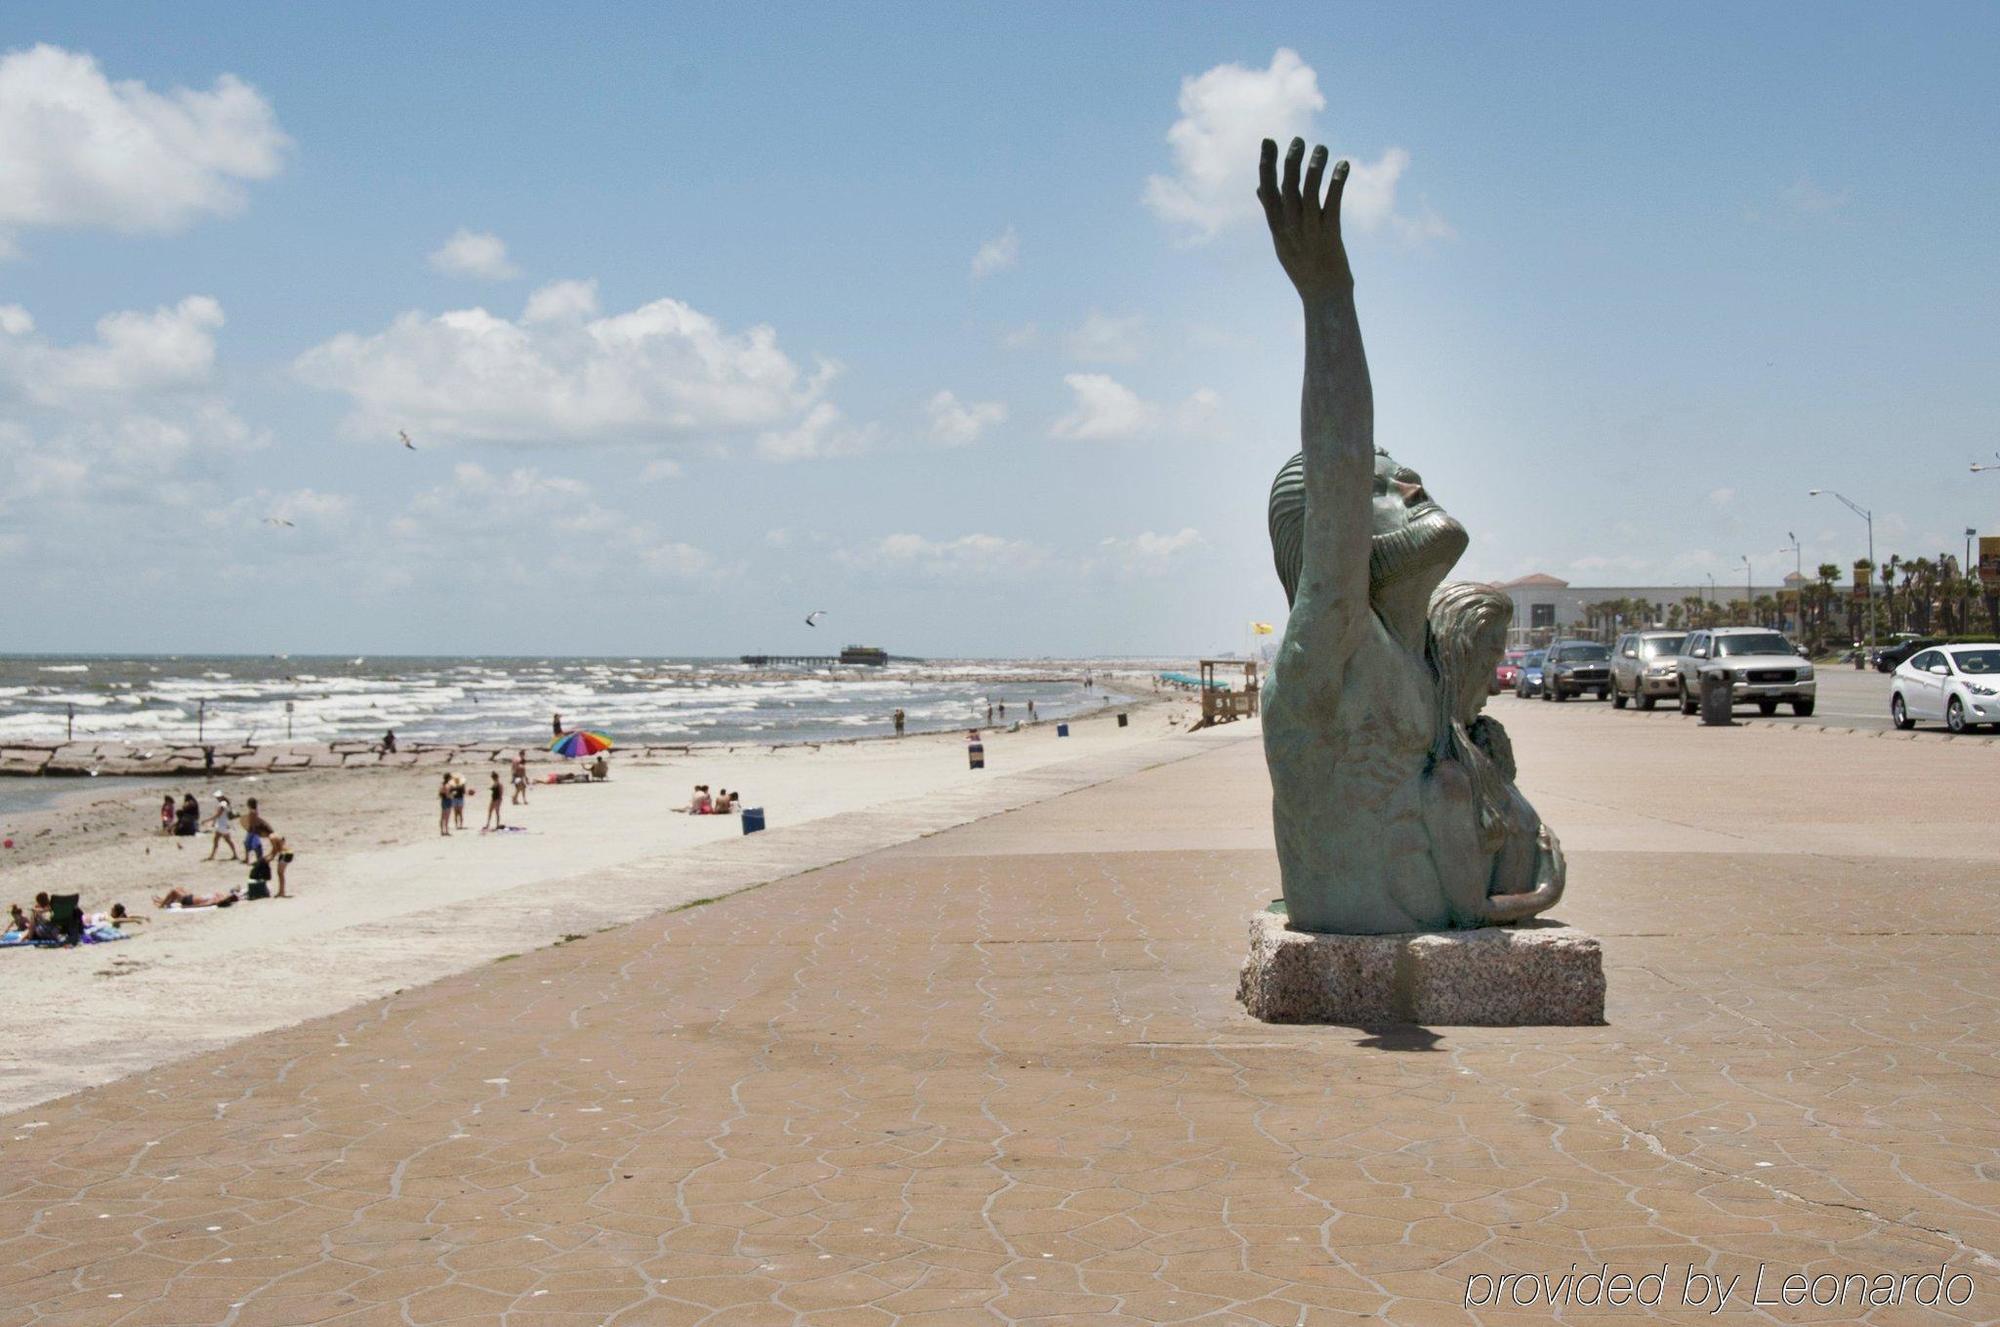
(1220, 701)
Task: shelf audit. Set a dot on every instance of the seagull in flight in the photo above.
(812, 618)
(279, 520)
(406, 439)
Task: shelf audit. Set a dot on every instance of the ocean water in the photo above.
(142, 698)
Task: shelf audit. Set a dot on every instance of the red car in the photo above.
(1508, 671)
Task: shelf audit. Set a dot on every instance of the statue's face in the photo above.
(1413, 536)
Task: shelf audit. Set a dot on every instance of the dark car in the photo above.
(1528, 678)
(1576, 667)
(1892, 655)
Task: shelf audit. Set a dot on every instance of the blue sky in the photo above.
(1632, 281)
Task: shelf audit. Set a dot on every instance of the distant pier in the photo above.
(862, 656)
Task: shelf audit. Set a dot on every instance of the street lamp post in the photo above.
(1749, 592)
(1798, 578)
(1869, 517)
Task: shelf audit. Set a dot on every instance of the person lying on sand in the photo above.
(116, 917)
(187, 898)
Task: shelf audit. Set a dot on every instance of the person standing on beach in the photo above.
(457, 802)
(989, 713)
(899, 721)
(493, 805)
(221, 823)
(555, 722)
(1031, 711)
(281, 857)
(255, 829)
(167, 814)
(389, 742)
(444, 806)
(520, 774)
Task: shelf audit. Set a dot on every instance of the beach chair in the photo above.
(67, 917)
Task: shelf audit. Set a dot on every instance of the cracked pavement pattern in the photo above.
(997, 1075)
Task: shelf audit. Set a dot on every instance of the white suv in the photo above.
(1764, 669)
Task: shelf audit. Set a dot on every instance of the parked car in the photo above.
(1765, 669)
(1528, 682)
(1891, 657)
(1508, 671)
(1958, 684)
(1574, 667)
(1642, 667)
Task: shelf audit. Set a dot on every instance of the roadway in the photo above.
(1847, 699)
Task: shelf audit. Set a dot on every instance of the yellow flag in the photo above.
(1262, 628)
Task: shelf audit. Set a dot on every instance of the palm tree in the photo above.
(1888, 609)
(1829, 576)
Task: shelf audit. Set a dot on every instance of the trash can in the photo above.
(1717, 697)
(975, 754)
(753, 819)
(1122, 719)
(1062, 730)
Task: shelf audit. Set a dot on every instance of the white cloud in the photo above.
(113, 417)
(79, 150)
(656, 472)
(1106, 340)
(1148, 552)
(134, 352)
(562, 301)
(483, 513)
(823, 433)
(661, 373)
(1224, 114)
(968, 557)
(955, 423)
(474, 253)
(997, 254)
(1020, 338)
(1104, 410)
(1721, 497)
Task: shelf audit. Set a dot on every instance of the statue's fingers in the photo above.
(1314, 168)
(1293, 155)
(1337, 188)
(1267, 180)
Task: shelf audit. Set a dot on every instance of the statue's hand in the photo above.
(1305, 230)
(1551, 874)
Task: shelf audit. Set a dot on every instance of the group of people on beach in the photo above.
(59, 921)
(268, 852)
(453, 791)
(723, 802)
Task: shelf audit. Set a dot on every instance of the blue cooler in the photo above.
(1062, 730)
(753, 819)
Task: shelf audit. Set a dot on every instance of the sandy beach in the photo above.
(383, 902)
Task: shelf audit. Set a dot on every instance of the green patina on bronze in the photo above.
(1393, 797)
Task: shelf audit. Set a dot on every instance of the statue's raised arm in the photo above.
(1337, 413)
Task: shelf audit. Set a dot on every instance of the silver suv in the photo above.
(1574, 667)
(1643, 668)
(1764, 668)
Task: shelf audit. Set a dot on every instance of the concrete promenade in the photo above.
(997, 1075)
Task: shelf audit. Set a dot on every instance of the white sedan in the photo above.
(1958, 685)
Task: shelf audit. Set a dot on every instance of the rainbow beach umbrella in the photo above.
(582, 742)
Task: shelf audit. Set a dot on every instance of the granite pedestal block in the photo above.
(1537, 974)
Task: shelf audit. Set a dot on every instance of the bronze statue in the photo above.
(1393, 797)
